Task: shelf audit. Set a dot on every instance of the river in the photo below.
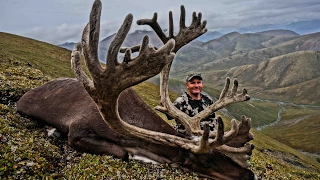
(280, 105)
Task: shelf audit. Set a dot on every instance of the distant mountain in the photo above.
(221, 41)
(281, 71)
(304, 27)
(310, 43)
(209, 36)
(235, 42)
(132, 39)
(68, 45)
(259, 28)
(301, 27)
(280, 32)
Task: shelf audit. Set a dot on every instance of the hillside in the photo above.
(27, 152)
(280, 32)
(36, 54)
(281, 71)
(209, 36)
(283, 65)
(278, 78)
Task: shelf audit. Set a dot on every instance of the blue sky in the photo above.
(59, 21)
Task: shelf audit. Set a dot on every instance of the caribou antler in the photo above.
(238, 136)
(185, 35)
(107, 83)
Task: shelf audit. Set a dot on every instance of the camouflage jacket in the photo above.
(192, 107)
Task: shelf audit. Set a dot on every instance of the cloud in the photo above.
(60, 21)
(73, 32)
(58, 35)
(249, 13)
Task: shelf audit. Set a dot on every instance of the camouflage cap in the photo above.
(192, 75)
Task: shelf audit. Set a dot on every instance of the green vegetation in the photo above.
(27, 153)
(49, 59)
(17, 78)
(261, 113)
(298, 128)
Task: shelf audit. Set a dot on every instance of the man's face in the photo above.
(194, 86)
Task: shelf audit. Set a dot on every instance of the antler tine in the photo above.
(112, 57)
(238, 147)
(153, 23)
(76, 67)
(220, 131)
(90, 39)
(225, 89)
(245, 124)
(204, 142)
(239, 97)
(234, 87)
(198, 22)
(171, 27)
(127, 56)
(240, 155)
(182, 22)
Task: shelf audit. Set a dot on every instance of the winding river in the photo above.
(280, 105)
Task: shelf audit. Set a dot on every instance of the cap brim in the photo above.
(199, 77)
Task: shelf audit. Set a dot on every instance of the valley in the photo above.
(281, 108)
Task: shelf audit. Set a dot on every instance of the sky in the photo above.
(60, 21)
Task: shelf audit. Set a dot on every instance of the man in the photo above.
(193, 102)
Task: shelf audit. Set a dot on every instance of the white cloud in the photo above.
(59, 21)
(59, 35)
